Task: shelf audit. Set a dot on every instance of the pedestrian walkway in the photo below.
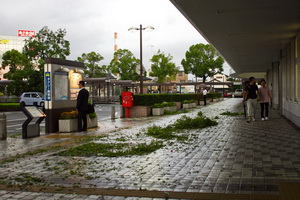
(233, 160)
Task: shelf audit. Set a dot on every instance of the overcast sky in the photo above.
(91, 25)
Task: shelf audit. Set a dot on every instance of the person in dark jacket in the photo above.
(82, 107)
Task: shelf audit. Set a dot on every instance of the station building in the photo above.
(256, 38)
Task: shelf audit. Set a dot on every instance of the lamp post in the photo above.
(133, 29)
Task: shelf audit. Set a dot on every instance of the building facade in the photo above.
(8, 43)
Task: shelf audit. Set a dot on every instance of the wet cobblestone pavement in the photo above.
(233, 157)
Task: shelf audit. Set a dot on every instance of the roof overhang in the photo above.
(250, 35)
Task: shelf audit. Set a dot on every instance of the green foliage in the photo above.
(91, 64)
(184, 122)
(189, 123)
(232, 113)
(188, 101)
(162, 67)
(93, 115)
(9, 106)
(19, 69)
(202, 61)
(45, 44)
(157, 105)
(168, 104)
(14, 59)
(112, 150)
(150, 99)
(124, 63)
(69, 115)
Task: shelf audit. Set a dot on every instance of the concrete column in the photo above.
(3, 130)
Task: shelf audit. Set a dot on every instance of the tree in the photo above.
(18, 64)
(14, 59)
(162, 67)
(46, 43)
(124, 63)
(91, 68)
(202, 61)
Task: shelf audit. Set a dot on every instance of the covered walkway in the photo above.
(233, 160)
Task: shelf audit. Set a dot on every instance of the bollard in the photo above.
(3, 132)
(113, 112)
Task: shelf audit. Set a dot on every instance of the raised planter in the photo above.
(157, 111)
(178, 105)
(92, 122)
(140, 111)
(193, 105)
(186, 105)
(67, 125)
(170, 109)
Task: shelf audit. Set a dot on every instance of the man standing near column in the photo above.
(82, 107)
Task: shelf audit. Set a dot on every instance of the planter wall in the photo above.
(170, 109)
(140, 111)
(67, 125)
(186, 105)
(92, 122)
(157, 111)
(178, 105)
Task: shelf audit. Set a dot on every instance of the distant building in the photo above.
(8, 43)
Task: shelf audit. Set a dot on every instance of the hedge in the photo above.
(9, 106)
(151, 99)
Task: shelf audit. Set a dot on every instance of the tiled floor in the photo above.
(233, 157)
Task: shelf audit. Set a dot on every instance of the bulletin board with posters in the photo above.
(74, 79)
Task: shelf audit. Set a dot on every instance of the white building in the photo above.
(8, 43)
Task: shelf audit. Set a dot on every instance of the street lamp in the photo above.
(133, 29)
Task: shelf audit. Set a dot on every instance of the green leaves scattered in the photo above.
(184, 122)
(112, 150)
(232, 113)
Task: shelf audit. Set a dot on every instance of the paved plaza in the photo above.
(233, 160)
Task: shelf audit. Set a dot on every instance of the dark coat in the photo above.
(82, 100)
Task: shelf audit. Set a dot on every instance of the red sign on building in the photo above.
(25, 33)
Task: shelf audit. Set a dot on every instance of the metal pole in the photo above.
(141, 60)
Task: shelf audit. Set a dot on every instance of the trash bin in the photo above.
(3, 131)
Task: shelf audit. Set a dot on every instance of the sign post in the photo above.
(32, 130)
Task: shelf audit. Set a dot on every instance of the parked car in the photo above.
(238, 93)
(29, 98)
(227, 94)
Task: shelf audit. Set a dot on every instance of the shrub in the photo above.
(69, 115)
(9, 106)
(151, 99)
(93, 115)
(188, 101)
(157, 105)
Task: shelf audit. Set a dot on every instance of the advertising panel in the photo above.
(26, 33)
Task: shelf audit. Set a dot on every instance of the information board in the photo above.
(61, 86)
(35, 112)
